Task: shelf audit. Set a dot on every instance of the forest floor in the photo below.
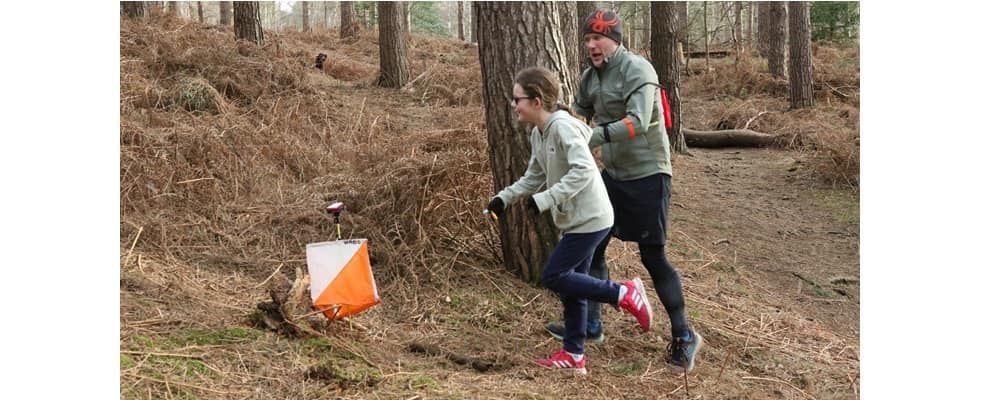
(217, 207)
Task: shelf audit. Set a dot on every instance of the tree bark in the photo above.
(246, 21)
(728, 138)
(800, 55)
(516, 36)
(201, 14)
(393, 69)
(133, 9)
(628, 26)
(348, 24)
(763, 27)
(571, 42)
(748, 36)
(226, 13)
(684, 25)
(738, 31)
(583, 10)
(305, 16)
(663, 49)
(461, 22)
(473, 24)
(708, 51)
(647, 25)
(777, 38)
(406, 19)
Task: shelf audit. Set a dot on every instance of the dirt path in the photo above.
(759, 214)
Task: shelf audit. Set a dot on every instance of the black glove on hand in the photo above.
(532, 206)
(496, 206)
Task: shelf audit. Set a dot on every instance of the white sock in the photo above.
(576, 357)
(622, 289)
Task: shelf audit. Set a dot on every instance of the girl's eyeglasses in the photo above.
(517, 99)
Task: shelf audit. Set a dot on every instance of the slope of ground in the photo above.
(217, 206)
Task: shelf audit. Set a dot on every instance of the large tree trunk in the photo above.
(406, 19)
(663, 49)
(583, 10)
(305, 16)
(777, 39)
(473, 24)
(571, 42)
(515, 36)
(226, 13)
(728, 138)
(348, 23)
(133, 9)
(763, 27)
(393, 69)
(461, 22)
(246, 21)
(800, 70)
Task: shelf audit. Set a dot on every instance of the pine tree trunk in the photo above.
(684, 24)
(763, 27)
(663, 49)
(777, 39)
(647, 25)
(461, 25)
(406, 19)
(393, 69)
(226, 13)
(134, 9)
(305, 16)
(738, 31)
(473, 24)
(800, 69)
(246, 21)
(348, 23)
(708, 67)
(572, 44)
(628, 30)
(583, 10)
(516, 36)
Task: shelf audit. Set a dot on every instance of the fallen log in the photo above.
(727, 138)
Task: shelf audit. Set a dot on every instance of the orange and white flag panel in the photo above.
(340, 277)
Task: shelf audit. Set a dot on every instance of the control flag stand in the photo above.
(341, 282)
